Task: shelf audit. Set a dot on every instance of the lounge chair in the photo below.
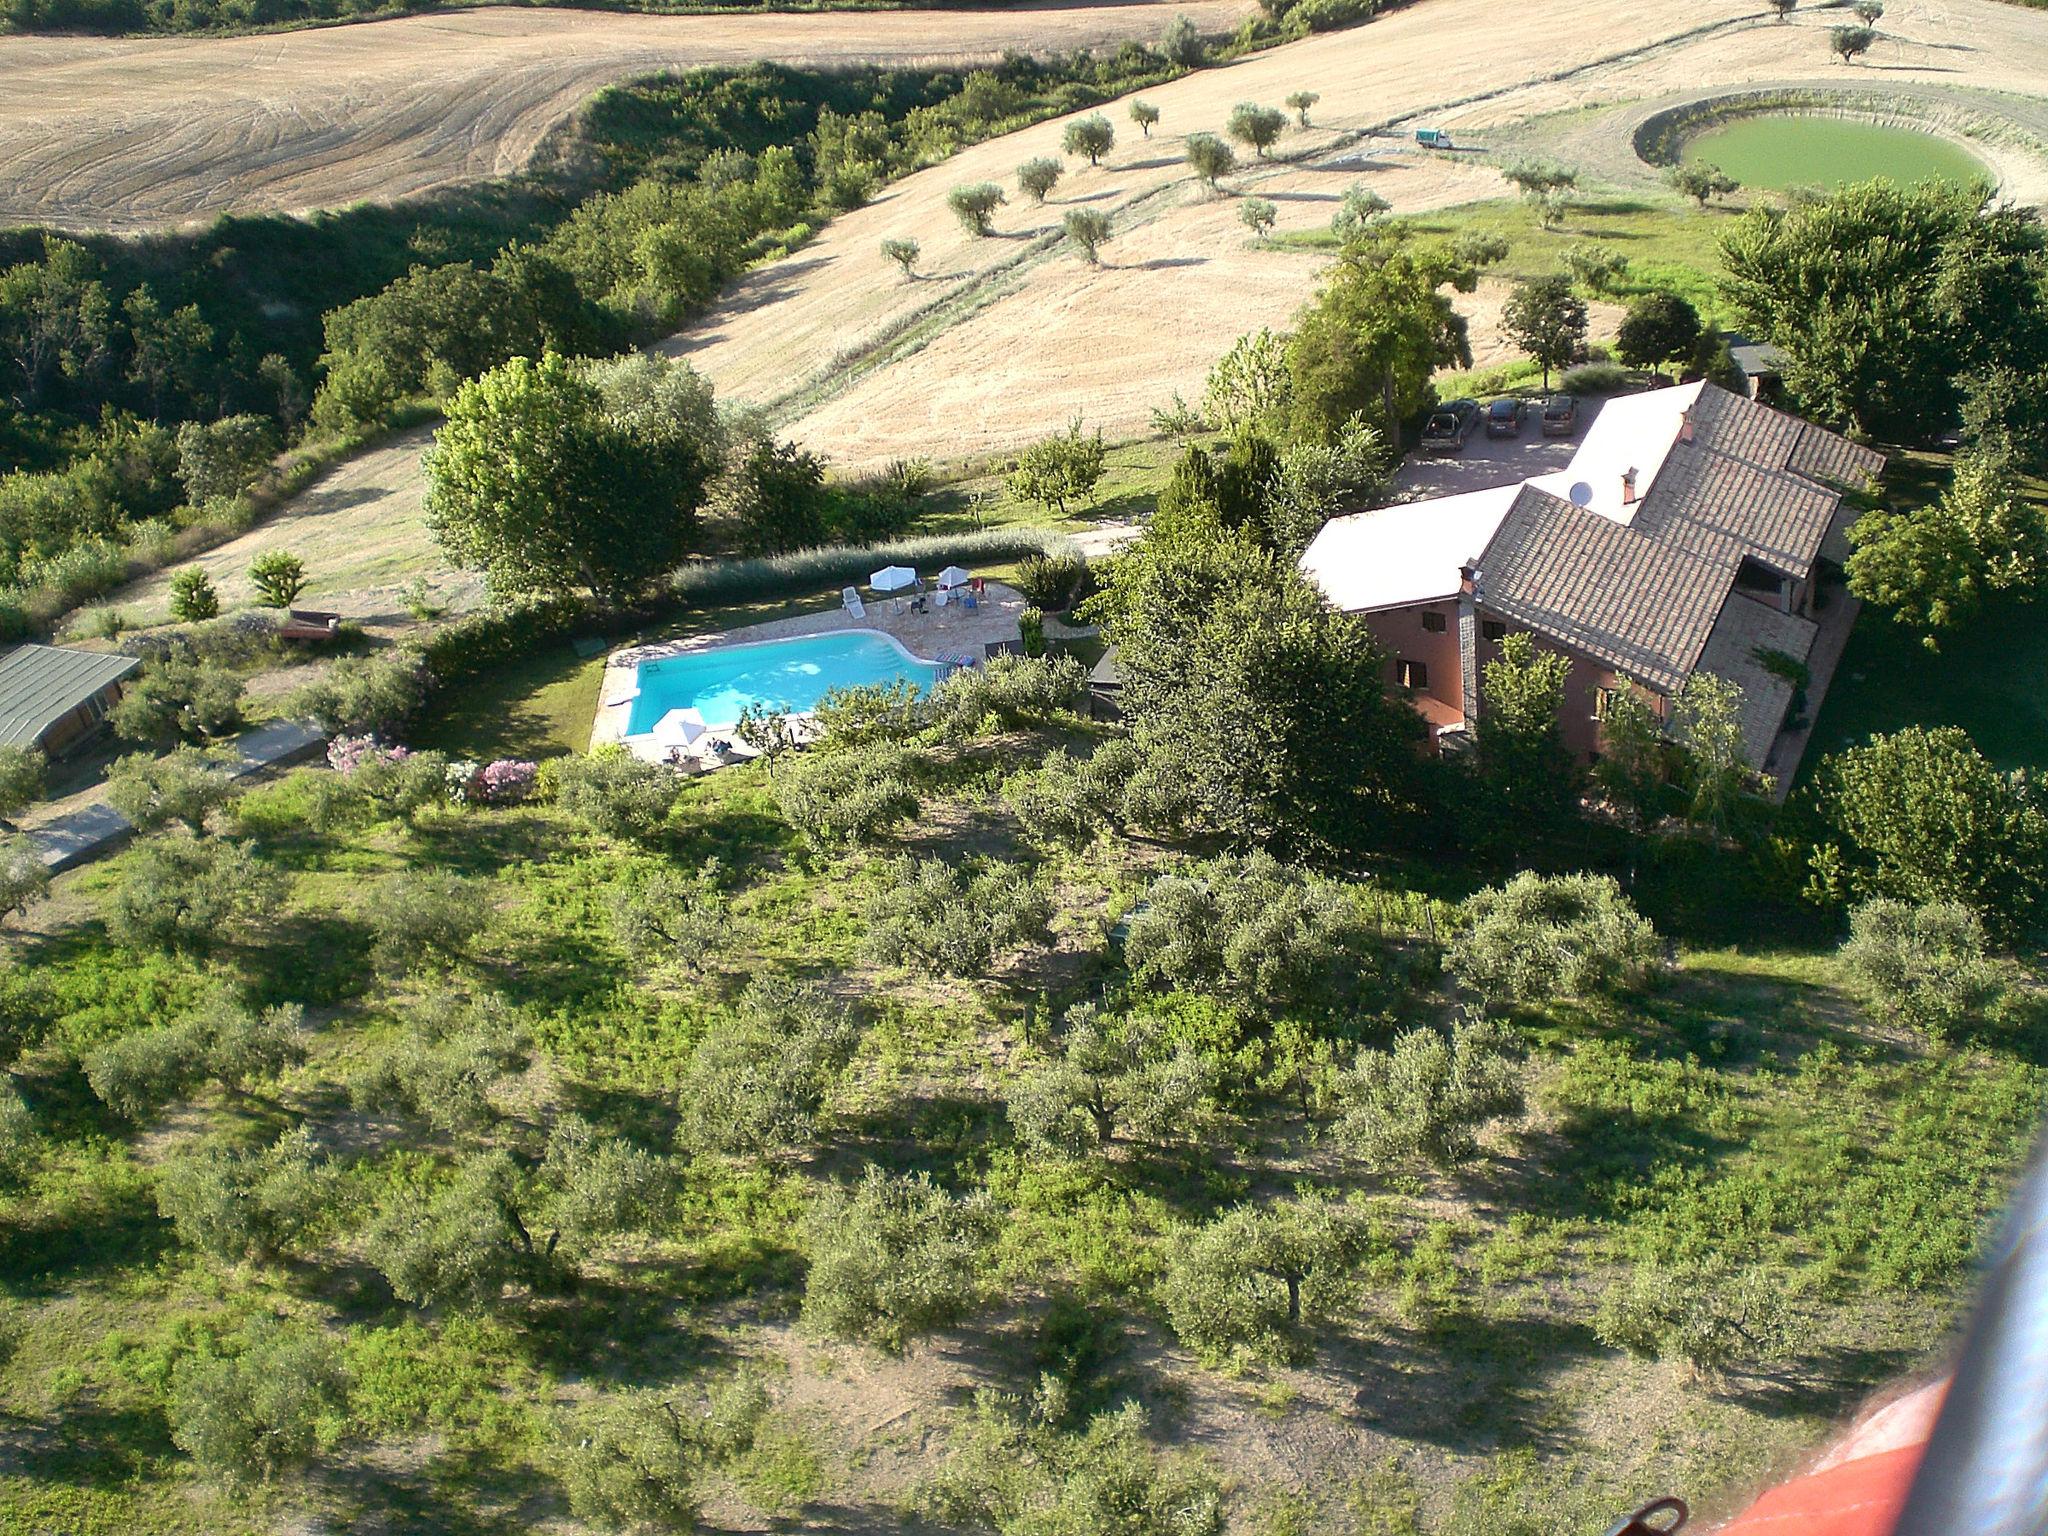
(941, 598)
(849, 599)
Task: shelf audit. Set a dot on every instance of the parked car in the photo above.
(1449, 425)
(1560, 416)
(1504, 417)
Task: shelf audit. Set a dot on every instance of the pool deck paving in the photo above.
(933, 635)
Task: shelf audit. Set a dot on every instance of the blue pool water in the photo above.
(785, 676)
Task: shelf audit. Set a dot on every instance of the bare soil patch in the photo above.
(143, 133)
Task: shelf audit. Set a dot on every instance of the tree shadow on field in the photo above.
(1824, 1383)
(1159, 163)
(1106, 195)
(1302, 197)
(1162, 263)
(426, 1502)
(98, 1233)
(315, 504)
(1470, 1384)
(85, 1443)
(942, 1134)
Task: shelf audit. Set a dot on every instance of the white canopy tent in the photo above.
(953, 576)
(893, 578)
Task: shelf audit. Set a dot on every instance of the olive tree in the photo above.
(1091, 136)
(1144, 114)
(500, 1220)
(956, 919)
(265, 1407)
(1117, 1078)
(615, 793)
(975, 204)
(756, 1082)
(1924, 967)
(1257, 215)
(1300, 102)
(23, 773)
(1250, 927)
(1709, 1315)
(1847, 43)
(832, 798)
(893, 1257)
(1426, 1100)
(424, 917)
(184, 787)
(1548, 936)
(1357, 211)
(1209, 158)
(1037, 177)
(674, 918)
(235, 1204)
(189, 893)
(1087, 228)
(628, 1460)
(1256, 1280)
(24, 878)
(1059, 470)
(1250, 123)
(447, 1064)
(221, 1039)
(904, 253)
(1701, 181)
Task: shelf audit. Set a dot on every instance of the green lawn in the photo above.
(1669, 244)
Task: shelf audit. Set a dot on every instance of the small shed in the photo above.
(53, 697)
(1761, 365)
(1105, 688)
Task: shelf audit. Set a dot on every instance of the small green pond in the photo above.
(1777, 151)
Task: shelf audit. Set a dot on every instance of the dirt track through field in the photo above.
(140, 133)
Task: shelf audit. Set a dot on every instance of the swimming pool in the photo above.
(784, 676)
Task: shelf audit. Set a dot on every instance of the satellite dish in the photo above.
(1581, 494)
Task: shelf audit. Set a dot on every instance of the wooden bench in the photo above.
(309, 625)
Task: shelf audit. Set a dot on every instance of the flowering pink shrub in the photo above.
(495, 783)
(345, 754)
(506, 780)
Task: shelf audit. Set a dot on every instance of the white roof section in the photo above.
(1393, 556)
(1631, 432)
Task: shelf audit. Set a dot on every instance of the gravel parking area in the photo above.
(1493, 460)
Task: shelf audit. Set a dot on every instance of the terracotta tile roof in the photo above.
(1642, 605)
(1751, 477)
(1744, 628)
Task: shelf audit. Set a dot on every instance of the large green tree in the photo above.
(1921, 815)
(551, 476)
(1528, 780)
(1935, 565)
(1546, 320)
(1267, 710)
(1880, 295)
(1371, 338)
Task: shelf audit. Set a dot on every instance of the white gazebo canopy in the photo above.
(679, 727)
(954, 576)
(893, 578)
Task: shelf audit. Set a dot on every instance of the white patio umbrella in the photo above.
(893, 578)
(953, 576)
(679, 727)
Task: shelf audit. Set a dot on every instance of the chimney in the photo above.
(1685, 425)
(1468, 580)
(1628, 486)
